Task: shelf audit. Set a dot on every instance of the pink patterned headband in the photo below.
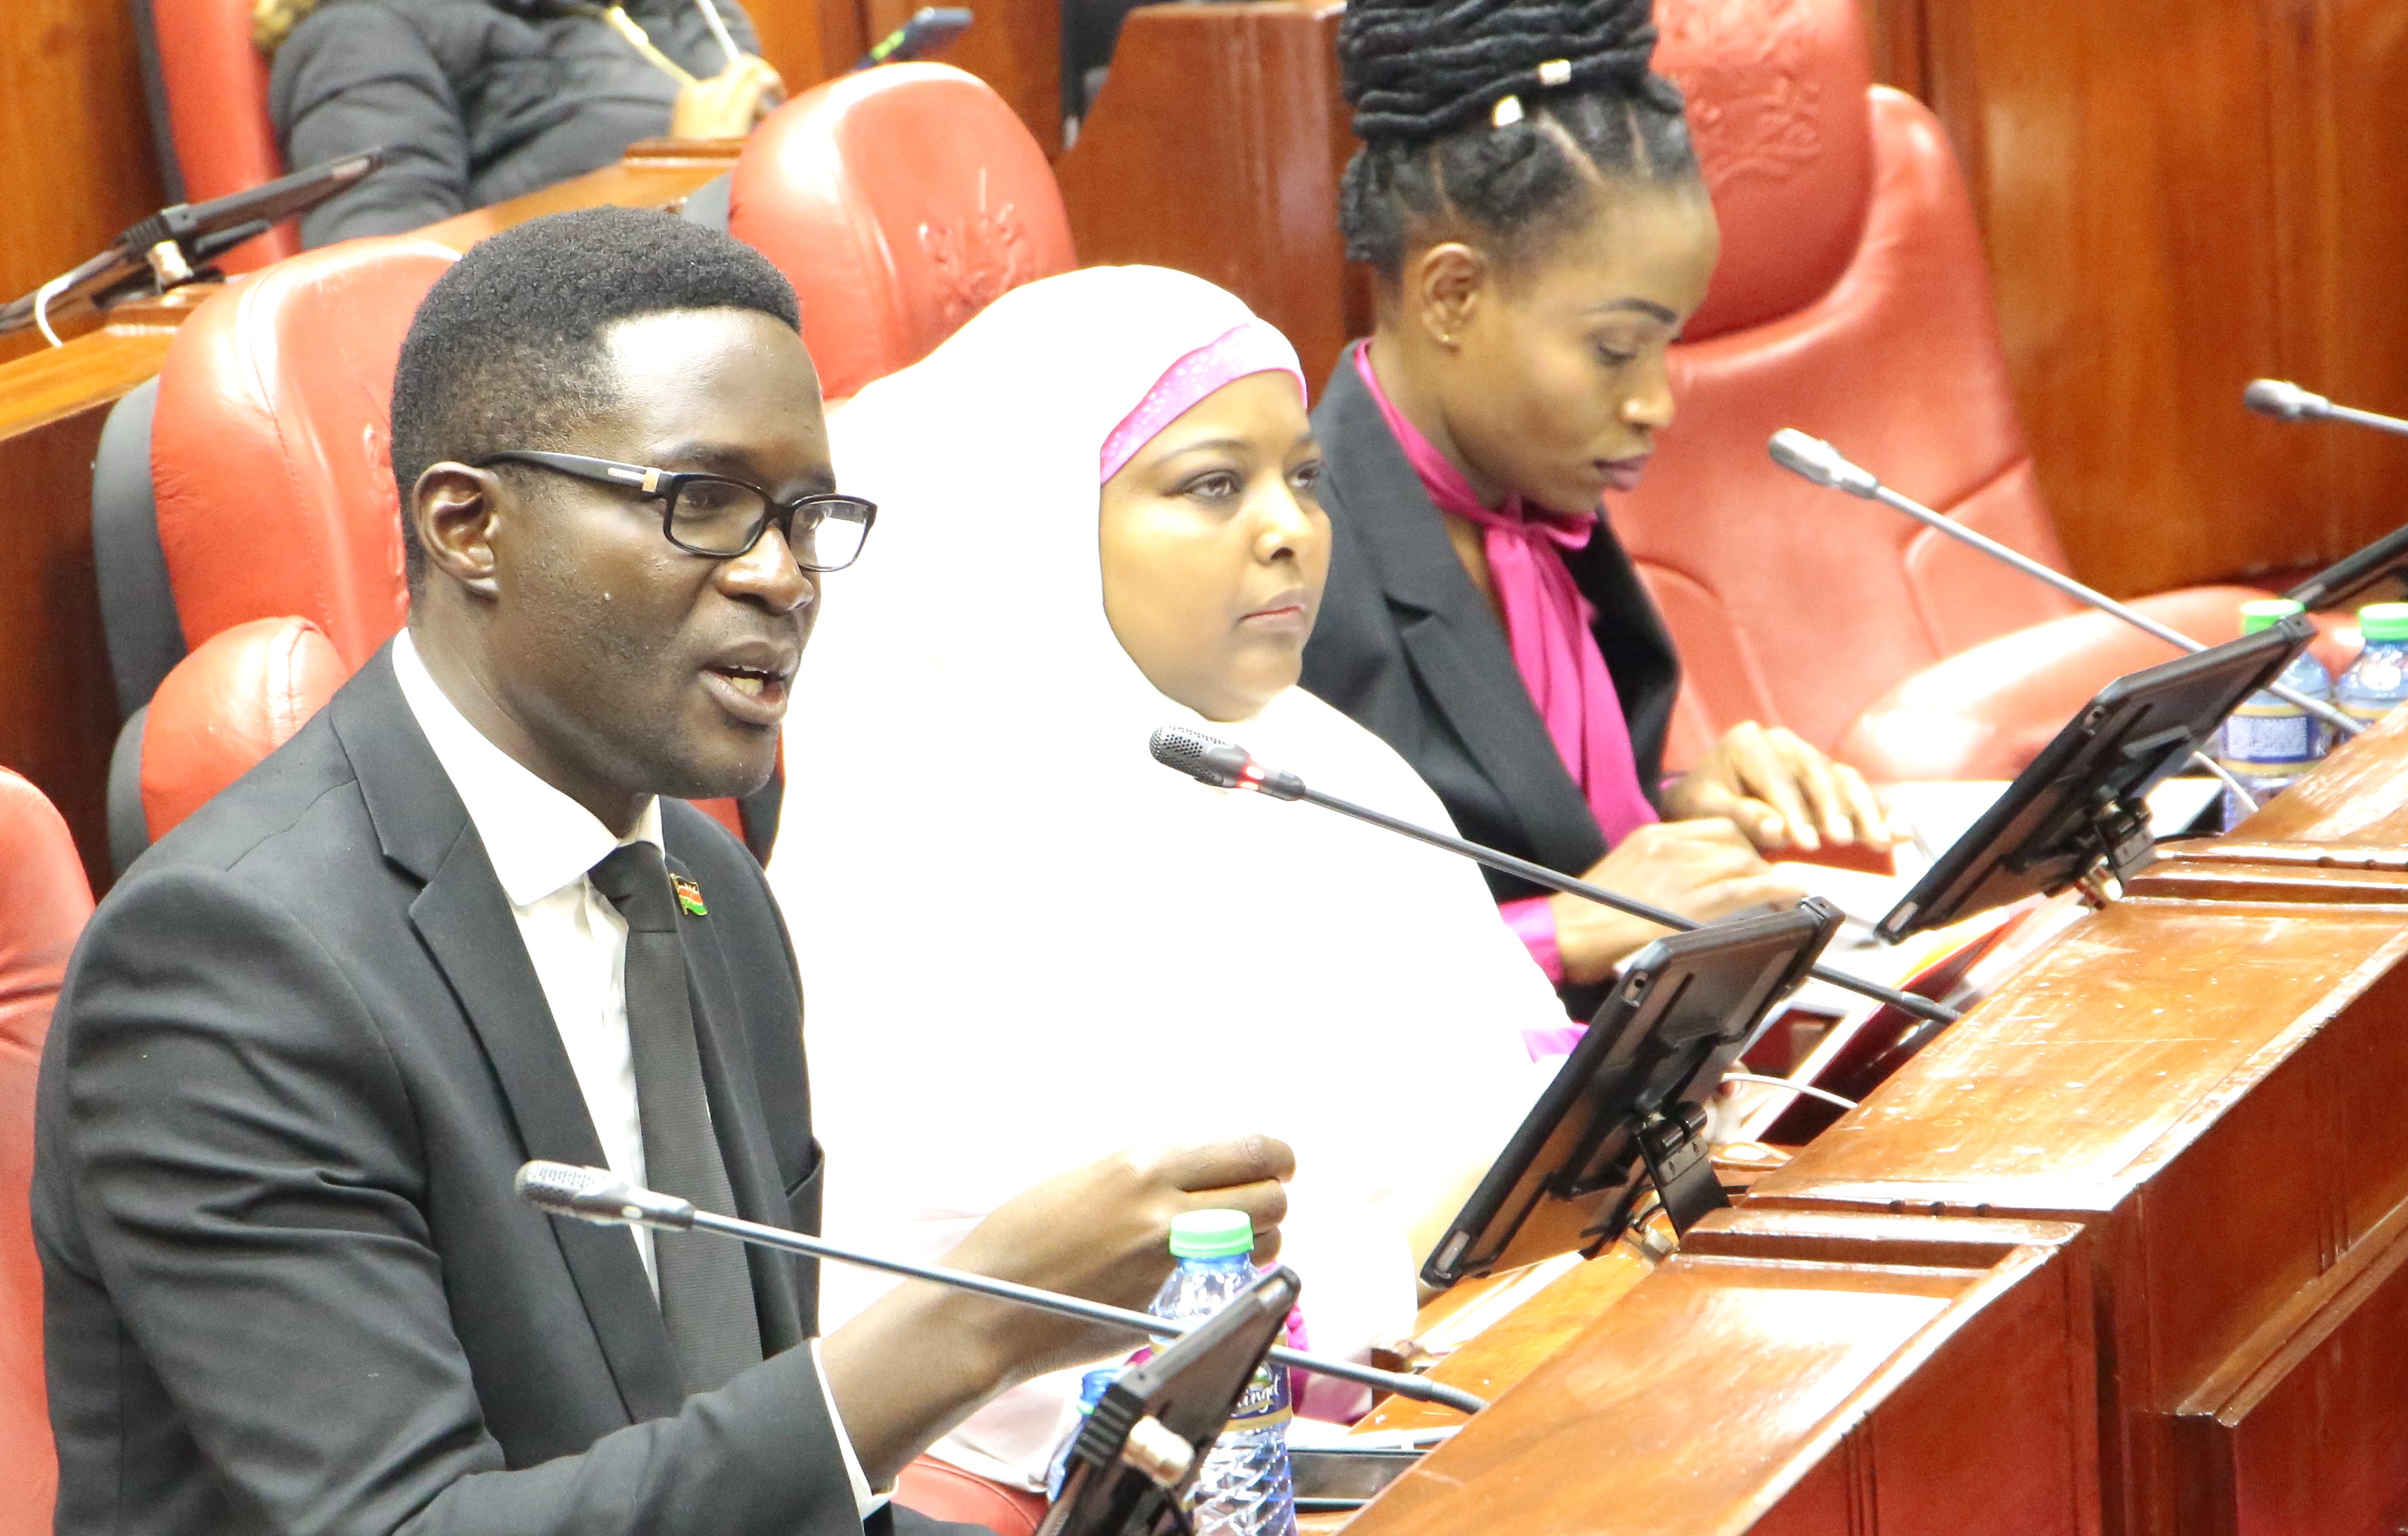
(1246, 347)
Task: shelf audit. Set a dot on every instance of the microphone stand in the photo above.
(1813, 459)
(600, 1196)
(1226, 766)
(1538, 874)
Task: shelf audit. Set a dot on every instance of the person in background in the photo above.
(1097, 518)
(1528, 199)
(479, 101)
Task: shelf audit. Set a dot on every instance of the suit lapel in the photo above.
(1453, 640)
(465, 922)
(735, 1119)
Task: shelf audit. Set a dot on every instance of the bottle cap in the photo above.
(1212, 1234)
(2266, 612)
(2384, 621)
(1092, 1385)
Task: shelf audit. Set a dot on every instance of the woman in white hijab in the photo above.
(1025, 943)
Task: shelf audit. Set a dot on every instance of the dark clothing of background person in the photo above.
(300, 1052)
(1406, 645)
(475, 101)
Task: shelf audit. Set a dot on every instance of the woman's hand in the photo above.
(1781, 792)
(728, 104)
(1702, 869)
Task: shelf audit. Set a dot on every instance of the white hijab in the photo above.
(1025, 944)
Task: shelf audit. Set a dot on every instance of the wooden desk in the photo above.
(1787, 1372)
(58, 706)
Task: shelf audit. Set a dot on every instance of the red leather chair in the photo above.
(943, 1491)
(899, 202)
(277, 522)
(1852, 302)
(43, 904)
(210, 86)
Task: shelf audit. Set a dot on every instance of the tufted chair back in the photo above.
(43, 904)
(1852, 302)
(271, 447)
(210, 86)
(899, 202)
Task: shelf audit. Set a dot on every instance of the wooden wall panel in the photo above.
(75, 160)
(2176, 196)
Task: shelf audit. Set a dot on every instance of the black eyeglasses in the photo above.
(723, 518)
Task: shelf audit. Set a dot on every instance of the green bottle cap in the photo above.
(2266, 612)
(1212, 1234)
(2384, 621)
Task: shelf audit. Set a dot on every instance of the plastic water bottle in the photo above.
(1245, 1488)
(2378, 680)
(2268, 741)
(1091, 1392)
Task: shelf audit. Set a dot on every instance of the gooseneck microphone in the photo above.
(1225, 766)
(2287, 402)
(1813, 459)
(603, 1198)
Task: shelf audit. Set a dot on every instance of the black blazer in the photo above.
(1408, 647)
(299, 1054)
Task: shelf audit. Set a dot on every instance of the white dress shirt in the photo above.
(540, 844)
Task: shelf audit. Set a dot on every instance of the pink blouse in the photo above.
(1547, 624)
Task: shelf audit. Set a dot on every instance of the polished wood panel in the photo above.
(2177, 196)
(2317, 1388)
(2207, 1072)
(76, 161)
(1215, 148)
(1795, 1372)
(58, 706)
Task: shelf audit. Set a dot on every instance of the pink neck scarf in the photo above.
(1547, 623)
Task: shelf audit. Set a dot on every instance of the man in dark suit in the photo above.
(450, 926)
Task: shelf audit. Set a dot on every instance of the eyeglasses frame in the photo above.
(668, 483)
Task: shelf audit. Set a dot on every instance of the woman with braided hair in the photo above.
(1529, 201)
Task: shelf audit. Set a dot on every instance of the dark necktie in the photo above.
(705, 1288)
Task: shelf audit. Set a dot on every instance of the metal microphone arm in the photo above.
(2287, 402)
(599, 1196)
(1538, 874)
(1226, 766)
(1813, 459)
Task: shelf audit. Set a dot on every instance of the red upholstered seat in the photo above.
(43, 904)
(215, 84)
(270, 450)
(239, 696)
(945, 1492)
(899, 202)
(272, 472)
(1852, 302)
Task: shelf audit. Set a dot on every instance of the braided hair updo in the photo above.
(1503, 114)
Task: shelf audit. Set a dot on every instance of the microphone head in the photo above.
(1813, 459)
(2284, 400)
(1200, 756)
(599, 1196)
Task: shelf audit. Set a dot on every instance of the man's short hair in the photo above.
(505, 350)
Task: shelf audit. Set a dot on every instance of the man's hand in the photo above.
(728, 104)
(1702, 869)
(1781, 792)
(920, 1360)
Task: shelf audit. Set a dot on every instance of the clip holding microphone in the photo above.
(1210, 760)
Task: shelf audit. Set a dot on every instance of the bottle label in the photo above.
(2281, 737)
(1264, 1404)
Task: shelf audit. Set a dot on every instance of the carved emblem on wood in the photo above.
(978, 259)
(1743, 65)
